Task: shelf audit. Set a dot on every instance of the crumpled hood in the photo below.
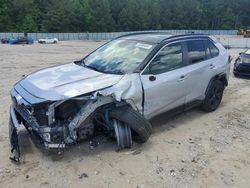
(66, 81)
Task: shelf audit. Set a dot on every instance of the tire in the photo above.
(141, 128)
(213, 96)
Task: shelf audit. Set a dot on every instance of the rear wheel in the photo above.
(213, 96)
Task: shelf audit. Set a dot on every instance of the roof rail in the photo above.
(164, 33)
(145, 32)
(185, 35)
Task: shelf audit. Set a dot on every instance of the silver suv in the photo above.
(117, 88)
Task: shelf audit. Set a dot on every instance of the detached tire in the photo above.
(138, 124)
(213, 96)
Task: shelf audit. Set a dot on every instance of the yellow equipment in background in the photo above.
(240, 32)
(244, 32)
(247, 33)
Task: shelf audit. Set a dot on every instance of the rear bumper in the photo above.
(238, 73)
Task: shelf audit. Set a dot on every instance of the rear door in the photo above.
(164, 80)
(201, 68)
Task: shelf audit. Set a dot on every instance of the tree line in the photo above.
(121, 15)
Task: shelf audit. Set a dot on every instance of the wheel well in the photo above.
(221, 77)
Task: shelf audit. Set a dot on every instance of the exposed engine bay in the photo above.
(65, 122)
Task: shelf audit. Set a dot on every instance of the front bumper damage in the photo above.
(53, 135)
(13, 126)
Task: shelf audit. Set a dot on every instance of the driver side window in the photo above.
(169, 58)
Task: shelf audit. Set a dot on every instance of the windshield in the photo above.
(118, 56)
(245, 58)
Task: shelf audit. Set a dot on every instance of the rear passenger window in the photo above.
(196, 51)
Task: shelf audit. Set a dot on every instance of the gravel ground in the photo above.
(193, 149)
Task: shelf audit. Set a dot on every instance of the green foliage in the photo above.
(28, 25)
(121, 15)
(100, 18)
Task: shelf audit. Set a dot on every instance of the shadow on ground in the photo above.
(164, 122)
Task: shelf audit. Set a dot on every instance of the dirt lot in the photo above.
(193, 149)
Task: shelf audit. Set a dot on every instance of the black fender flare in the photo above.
(222, 77)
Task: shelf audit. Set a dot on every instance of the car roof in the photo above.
(156, 37)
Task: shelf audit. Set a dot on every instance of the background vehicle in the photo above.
(21, 40)
(5, 40)
(242, 64)
(119, 87)
(48, 40)
(247, 33)
(240, 32)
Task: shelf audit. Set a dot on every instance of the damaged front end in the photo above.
(65, 122)
(55, 123)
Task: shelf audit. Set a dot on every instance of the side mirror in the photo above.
(152, 78)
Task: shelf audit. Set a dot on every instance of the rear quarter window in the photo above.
(211, 49)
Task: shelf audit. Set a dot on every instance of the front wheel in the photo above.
(213, 96)
(123, 134)
(141, 128)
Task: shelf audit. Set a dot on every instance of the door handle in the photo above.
(211, 66)
(182, 78)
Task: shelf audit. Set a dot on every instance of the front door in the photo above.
(164, 81)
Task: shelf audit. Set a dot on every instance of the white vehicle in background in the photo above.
(48, 40)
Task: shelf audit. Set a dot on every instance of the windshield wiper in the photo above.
(82, 63)
(90, 67)
(93, 68)
(115, 72)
